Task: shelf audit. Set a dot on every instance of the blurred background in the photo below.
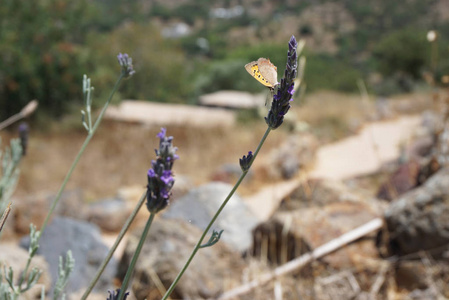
(183, 49)
(376, 71)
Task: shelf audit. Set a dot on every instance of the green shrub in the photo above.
(162, 70)
(324, 72)
(404, 51)
(275, 52)
(42, 53)
(226, 75)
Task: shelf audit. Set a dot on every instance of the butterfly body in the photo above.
(263, 71)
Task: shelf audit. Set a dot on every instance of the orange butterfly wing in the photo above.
(263, 71)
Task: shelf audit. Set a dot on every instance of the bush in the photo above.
(275, 52)
(324, 72)
(226, 75)
(230, 74)
(403, 51)
(162, 70)
(42, 53)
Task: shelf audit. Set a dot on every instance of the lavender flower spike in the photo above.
(126, 63)
(160, 175)
(281, 101)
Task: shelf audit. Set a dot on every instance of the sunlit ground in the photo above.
(120, 153)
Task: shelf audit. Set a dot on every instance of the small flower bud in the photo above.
(23, 135)
(126, 63)
(245, 161)
(114, 295)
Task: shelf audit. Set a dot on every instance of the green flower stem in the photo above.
(135, 257)
(22, 277)
(114, 247)
(69, 173)
(80, 153)
(200, 241)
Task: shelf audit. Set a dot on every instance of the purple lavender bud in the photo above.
(292, 44)
(165, 194)
(245, 161)
(160, 176)
(114, 295)
(166, 177)
(161, 134)
(126, 63)
(23, 135)
(151, 173)
(281, 100)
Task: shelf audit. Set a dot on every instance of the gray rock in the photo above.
(200, 204)
(420, 147)
(401, 181)
(183, 184)
(84, 240)
(289, 234)
(229, 173)
(109, 214)
(296, 153)
(165, 251)
(71, 205)
(319, 192)
(431, 121)
(419, 220)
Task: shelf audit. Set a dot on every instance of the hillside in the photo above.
(183, 49)
(381, 42)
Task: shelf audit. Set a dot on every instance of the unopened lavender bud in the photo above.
(245, 161)
(23, 135)
(114, 295)
(126, 63)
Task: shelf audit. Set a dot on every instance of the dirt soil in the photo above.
(120, 153)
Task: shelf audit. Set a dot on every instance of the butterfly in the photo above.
(264, 72)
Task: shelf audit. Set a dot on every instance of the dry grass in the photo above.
(120, 153)
(332, 115)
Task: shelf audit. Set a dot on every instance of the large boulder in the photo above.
(200, 204)
(109, 214)
(34, 209)
(318, 192)
(166, 249)
(84, 240)
(289, 234)
(408, 176)
(401, 181)
(419, 220)
(295, 154)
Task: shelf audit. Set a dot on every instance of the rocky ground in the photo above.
(402, 180)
